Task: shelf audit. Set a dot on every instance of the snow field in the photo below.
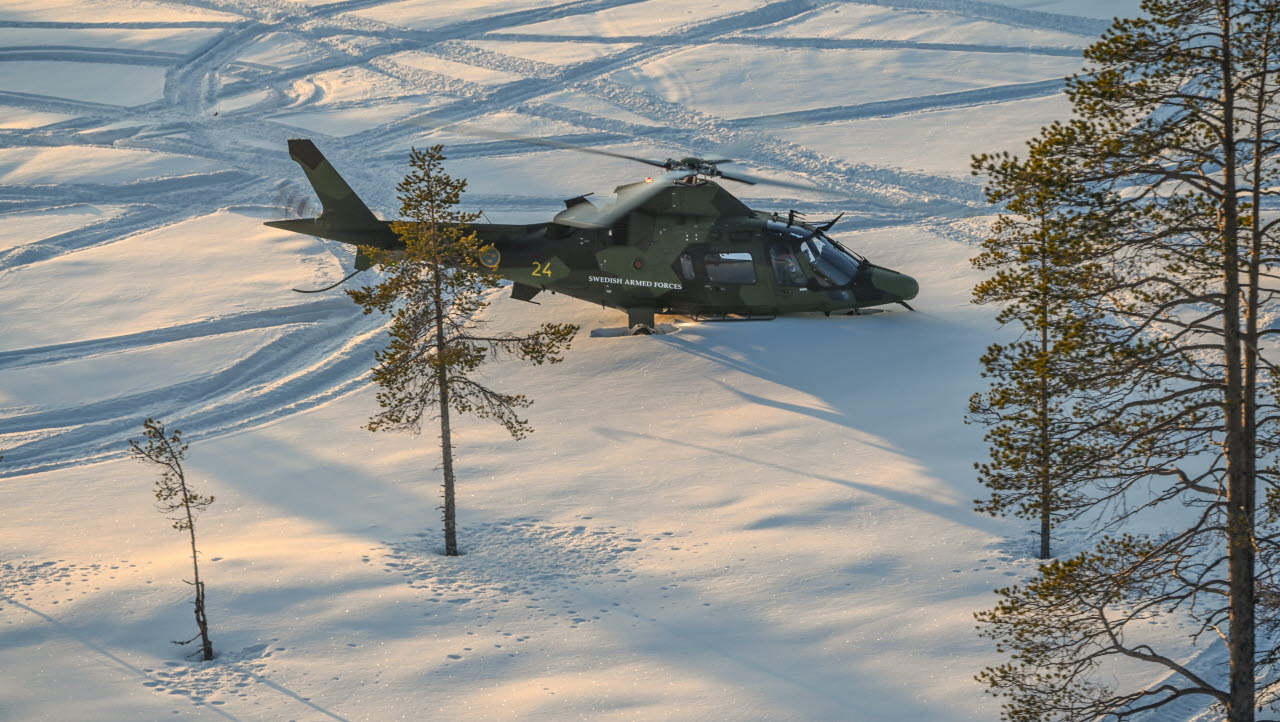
(731, 521)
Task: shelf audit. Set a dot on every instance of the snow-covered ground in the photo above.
(733, 521)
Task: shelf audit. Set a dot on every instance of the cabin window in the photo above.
(686, 267)
(786, 269)
(620, 233)
(736, 268)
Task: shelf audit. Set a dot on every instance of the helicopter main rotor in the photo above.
(693, 166)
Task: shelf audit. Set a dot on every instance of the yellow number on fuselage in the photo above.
(542, 269)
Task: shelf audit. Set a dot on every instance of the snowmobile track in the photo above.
(324, 348)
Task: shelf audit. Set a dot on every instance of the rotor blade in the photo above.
(754, 180)
(740, 179)
(547, 142)
(586, 215)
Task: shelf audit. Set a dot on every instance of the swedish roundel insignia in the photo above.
(490, 257)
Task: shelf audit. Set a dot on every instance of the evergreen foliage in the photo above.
(1160, 176)
(175, 497)
(1040, 457)
(434, 291)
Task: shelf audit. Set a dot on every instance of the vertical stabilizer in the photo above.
(342, 207)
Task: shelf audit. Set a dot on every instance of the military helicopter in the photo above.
(677, 243)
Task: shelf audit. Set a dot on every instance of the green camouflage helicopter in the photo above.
(677, 243)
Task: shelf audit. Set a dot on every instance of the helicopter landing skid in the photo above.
(731, 317)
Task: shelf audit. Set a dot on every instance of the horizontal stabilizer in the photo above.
(306, 226)
(524, 292)
(377, 233)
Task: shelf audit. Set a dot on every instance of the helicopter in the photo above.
(674, 243)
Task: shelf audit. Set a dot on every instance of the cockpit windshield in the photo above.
(828, 260)
(832, 266)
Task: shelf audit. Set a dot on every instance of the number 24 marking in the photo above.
(542, 269)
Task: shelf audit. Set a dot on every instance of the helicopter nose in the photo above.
(898, 285)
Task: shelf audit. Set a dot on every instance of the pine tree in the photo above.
(1167, 161)
(174, 495)
(1040, 458)
(435, 291)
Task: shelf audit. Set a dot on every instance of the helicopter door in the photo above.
(734, 283)
(791, 279)
(731, 269)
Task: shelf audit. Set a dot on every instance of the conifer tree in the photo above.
(1169, 157)
(435, 290)
(175, 496)
(1040, 458)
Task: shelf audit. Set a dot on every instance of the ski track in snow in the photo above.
(813, 43)
(326, 346)
(901, 106)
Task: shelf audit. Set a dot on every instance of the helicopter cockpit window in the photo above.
(785, 268)
(736, 268)
(832, 266)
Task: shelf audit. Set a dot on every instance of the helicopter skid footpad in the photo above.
(661, 329)
(640, 320)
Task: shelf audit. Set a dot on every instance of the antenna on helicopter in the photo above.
(332, 285)
(829, 224)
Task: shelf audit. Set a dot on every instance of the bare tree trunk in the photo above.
(446, 453)
(202, 621)
(1046, 484)
(1246, 496)
(1240, 542)
(1046, 525)
(1238, 445)
(446, 437)
(206, 646)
